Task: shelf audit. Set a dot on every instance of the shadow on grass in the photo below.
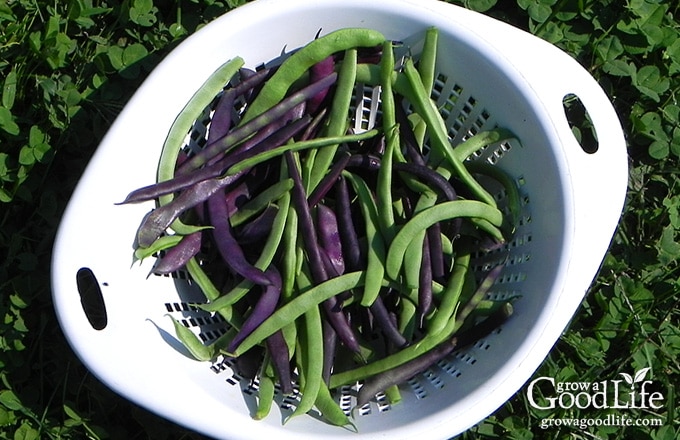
(47, 375)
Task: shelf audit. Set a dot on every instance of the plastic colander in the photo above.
(489, 74)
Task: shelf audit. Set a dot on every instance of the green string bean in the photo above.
(320, 160)
(321, 142)
(303, 59)
(183, 123)
(430, 216)
(299, 305)
(375, 243)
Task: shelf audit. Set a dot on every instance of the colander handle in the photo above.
(599, 178)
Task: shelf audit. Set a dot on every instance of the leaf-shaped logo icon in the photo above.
(627, 377)
(640, 375)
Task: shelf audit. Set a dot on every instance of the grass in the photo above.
(67, 68)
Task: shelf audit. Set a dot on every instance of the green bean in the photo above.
(201, 278)
(161, 243)
(182, 124)
(427, 71)
(430, 216)
(407, 316)
(447, 245)
(415, 247)
(369, 74)
(428, 342)
(297, 146)
(391, 130)
(393, 394)
(451, 295)
(289, 255)
(478, 295)
(375, 254)
(222, 342)
(198, 350)
(260, 202)
(265, 397)
(428, 58)
(415, 250)
(415, 259)
(330, 410)
(388, 362)
(437, 288)
(265, 390)
(304, 278)
(492, 230)
(290, 336)
(212, 293)
(300, 61)
(311, 369)
(321, 160)
(511, 191)
(481, 140)
(488, 307)
(439, 136)
(297, 306)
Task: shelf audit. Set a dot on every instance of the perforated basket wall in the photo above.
(489, 74)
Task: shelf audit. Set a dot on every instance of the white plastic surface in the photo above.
(574, 201)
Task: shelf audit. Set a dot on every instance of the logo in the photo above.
(630, 392)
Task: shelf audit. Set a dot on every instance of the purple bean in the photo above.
(178, 183)
(430, 176)
(222, 118)
(264, 307)
(383, 321)
(248, 364)
(346, 229)
(330, 344)
(258, 228)
(436, 252)
(334, 314)
(317, 72)
(403, 372)
(425, 283)
(439, 182)
(251, 79)
(369, 55)
(365, 161)
(277, 136)
(162, 217)
(312, 129)
(329, 179)
(278, 350)
(490, 244)
(484, 328)
(408, 137)
(246, 188)
(332, 307)
(176, 257)
(244, 131)
(329, 237)
(276, 133)
(228, 247)
(309, 235)
(378, 146)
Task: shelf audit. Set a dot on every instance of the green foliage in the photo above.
(66, 70)
(68, 67)
(629, 318)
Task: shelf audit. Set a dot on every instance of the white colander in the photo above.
(489, 74)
